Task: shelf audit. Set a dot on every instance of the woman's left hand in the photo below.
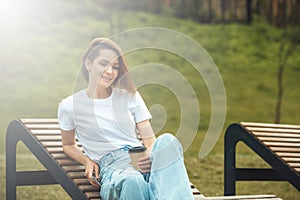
(144, 164)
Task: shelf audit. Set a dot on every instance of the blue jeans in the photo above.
(168, 178)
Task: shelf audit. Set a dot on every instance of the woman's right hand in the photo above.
(92, 169)
(71, 149)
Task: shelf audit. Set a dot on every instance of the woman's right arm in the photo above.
(71, 149)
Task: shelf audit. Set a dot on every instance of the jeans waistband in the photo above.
(114, 153)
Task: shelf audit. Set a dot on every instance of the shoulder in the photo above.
(121, 93)
(68, 102)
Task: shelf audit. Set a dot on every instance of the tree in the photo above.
(289, 43)
(249, 11)
(223, 10)
(270, 12)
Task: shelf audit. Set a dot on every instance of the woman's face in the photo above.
(103, 70)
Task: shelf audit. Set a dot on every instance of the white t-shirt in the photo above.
(103, 125)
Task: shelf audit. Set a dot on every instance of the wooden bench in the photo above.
(43, 139)
(277, 144)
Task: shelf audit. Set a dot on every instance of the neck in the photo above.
(98, 93)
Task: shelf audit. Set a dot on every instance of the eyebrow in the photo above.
(116, 61)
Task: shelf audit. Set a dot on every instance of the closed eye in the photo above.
(103, 63)
(116, 66)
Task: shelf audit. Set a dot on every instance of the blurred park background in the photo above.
(254, 43)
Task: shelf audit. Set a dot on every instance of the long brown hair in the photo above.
(123, 79)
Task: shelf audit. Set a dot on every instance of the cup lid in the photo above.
(137, 149)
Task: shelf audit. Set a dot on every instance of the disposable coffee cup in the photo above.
(135, 154)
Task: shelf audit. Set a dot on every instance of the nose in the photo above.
(108, 69)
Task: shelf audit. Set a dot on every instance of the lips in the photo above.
(106, 78)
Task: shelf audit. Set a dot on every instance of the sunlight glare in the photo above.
(12, 12)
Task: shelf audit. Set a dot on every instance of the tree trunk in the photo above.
(182, 9)
(236, 9)
(222, 10)
(280, 91)
(249, 12)
(199, 11)
(295, 13)
(281, 18)
(210, 11)
(270, 12)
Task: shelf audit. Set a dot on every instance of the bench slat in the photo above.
(297, 170)
(74, 168)
(272, 134)
(255, 124)
(81, 181)
(59, 156)
(57, 149)
(54, 149)
(48, 137)
(281, 139)
(92, 195)
(291, 159)
(42, 126)
(273, 130)
(77, 175)
(66, 162)
(39, 121)
(281, 144)
(56, 144)
(88, 188)
(284, 154)
(51, 144)
(45, 132)
(295, 164)
(285, 149)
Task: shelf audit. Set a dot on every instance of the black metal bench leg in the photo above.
(230, 142)
(17, 132)
(11, 174)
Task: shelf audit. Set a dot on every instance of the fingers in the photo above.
(90, 178)
(94, 183)
(144, 164)
(91, 172)
(96, 171)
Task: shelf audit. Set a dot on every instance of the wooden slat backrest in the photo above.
(282, 139)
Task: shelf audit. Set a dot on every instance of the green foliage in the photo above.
(40, 59)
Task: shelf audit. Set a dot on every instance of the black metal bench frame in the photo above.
(17, 132)
(280, 171)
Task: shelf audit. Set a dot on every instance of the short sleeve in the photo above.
(65, 117)
(139, 108)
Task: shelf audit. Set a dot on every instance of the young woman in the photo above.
(106, 117)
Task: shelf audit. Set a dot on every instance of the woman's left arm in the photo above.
(148, 138)
(147, 134)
